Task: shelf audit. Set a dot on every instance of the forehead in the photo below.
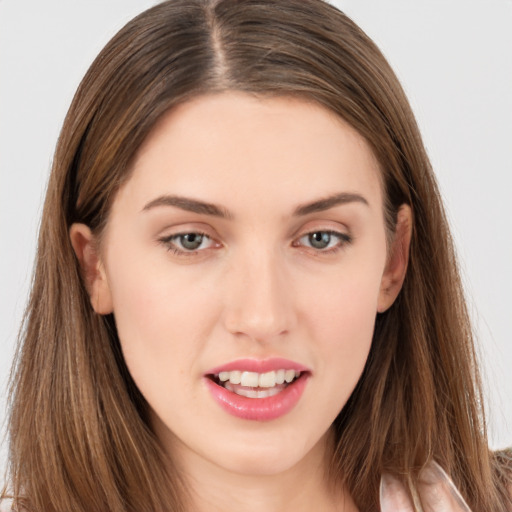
(241, 150)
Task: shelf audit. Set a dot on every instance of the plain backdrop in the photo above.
(454, 58)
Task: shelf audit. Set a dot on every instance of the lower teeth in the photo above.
(254, 392)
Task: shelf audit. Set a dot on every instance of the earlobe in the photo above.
(93, 271)
(396, 266)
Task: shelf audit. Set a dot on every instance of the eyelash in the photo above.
(169, 242)
(343, 240)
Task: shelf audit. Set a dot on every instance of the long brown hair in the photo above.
(79, 433)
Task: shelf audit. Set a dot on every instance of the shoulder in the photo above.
(5, 505)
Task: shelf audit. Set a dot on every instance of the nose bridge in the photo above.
(259, 303)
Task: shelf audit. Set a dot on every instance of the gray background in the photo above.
(454, 58)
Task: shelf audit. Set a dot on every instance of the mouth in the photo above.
(255, 385)
(261, 395)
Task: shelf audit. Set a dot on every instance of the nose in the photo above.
(259, 298)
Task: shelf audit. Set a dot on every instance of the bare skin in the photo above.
(292, 261)
(294, 490)
(436, 492)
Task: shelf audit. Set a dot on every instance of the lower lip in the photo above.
(258, 409)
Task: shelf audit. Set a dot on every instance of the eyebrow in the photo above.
(189, 205)
(329, 202)
(201, 207)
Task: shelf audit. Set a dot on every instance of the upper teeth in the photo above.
(255, 380)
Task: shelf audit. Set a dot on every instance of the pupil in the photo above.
(191, 241)
(320, 240)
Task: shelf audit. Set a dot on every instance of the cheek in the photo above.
(157, 316)
(345, 298)
(151, 295)
(344, 320)
(341, 319)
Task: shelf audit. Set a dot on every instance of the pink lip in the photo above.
(259, 366)
(258, 409)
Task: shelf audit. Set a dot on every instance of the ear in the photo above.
(398, 258)
(85, 247)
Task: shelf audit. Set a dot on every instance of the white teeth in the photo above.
(235, 377)
(250, 379)
(289, 375)
(261, 380)
(253, 393)
(267, 380)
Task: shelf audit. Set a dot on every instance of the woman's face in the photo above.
(247, 247)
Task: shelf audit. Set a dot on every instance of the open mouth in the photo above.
(256, 385)
(260, 390)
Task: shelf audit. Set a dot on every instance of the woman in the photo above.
(245, 292)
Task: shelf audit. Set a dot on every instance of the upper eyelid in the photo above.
(206, 228)
(298, 235)
(169, 238)
(324, 229)
(174, 231)
(322, 224)
(334, 231)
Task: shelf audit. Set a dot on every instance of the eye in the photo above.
(182, 243)
(191, 241)
(325, 241)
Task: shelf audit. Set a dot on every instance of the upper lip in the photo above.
(259, 366)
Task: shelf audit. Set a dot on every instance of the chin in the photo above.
(272, 455)
(262, 462)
